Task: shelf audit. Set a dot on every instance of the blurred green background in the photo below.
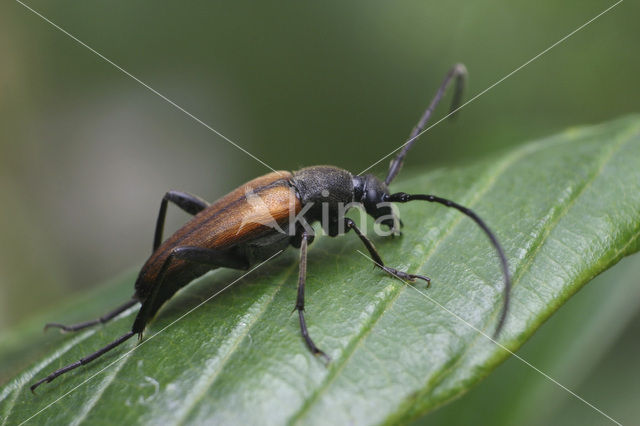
(86, 153)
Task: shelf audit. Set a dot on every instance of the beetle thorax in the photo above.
(324, 185)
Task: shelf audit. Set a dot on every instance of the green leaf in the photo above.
(565, 209)
(576, 350)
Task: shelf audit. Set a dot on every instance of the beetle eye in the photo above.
(372, 197)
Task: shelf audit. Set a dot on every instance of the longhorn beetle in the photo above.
(219, 236)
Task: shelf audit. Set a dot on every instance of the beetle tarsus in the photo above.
(377, 260)
(326, 358)
(406, 276)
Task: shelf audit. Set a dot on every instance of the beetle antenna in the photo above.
(402, 197)
(459, 71)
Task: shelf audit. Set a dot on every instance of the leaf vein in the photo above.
(208, 381)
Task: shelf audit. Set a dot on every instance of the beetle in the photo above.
(232, 233)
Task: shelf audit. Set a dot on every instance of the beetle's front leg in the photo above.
(302, 276)
(350, 224)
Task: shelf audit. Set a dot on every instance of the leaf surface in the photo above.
(565, 209)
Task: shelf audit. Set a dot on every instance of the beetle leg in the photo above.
(302, 276)
(201, 255)
(350, 224)
(101, 320)
(187, 202)
(83, 361)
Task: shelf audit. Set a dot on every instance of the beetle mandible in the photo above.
(218, 237)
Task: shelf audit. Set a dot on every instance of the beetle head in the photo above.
(371, 192)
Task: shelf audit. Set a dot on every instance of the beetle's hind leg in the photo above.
(163, 290)
(302, 276)
(105, 318)
(83, 361)
(350, 224)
